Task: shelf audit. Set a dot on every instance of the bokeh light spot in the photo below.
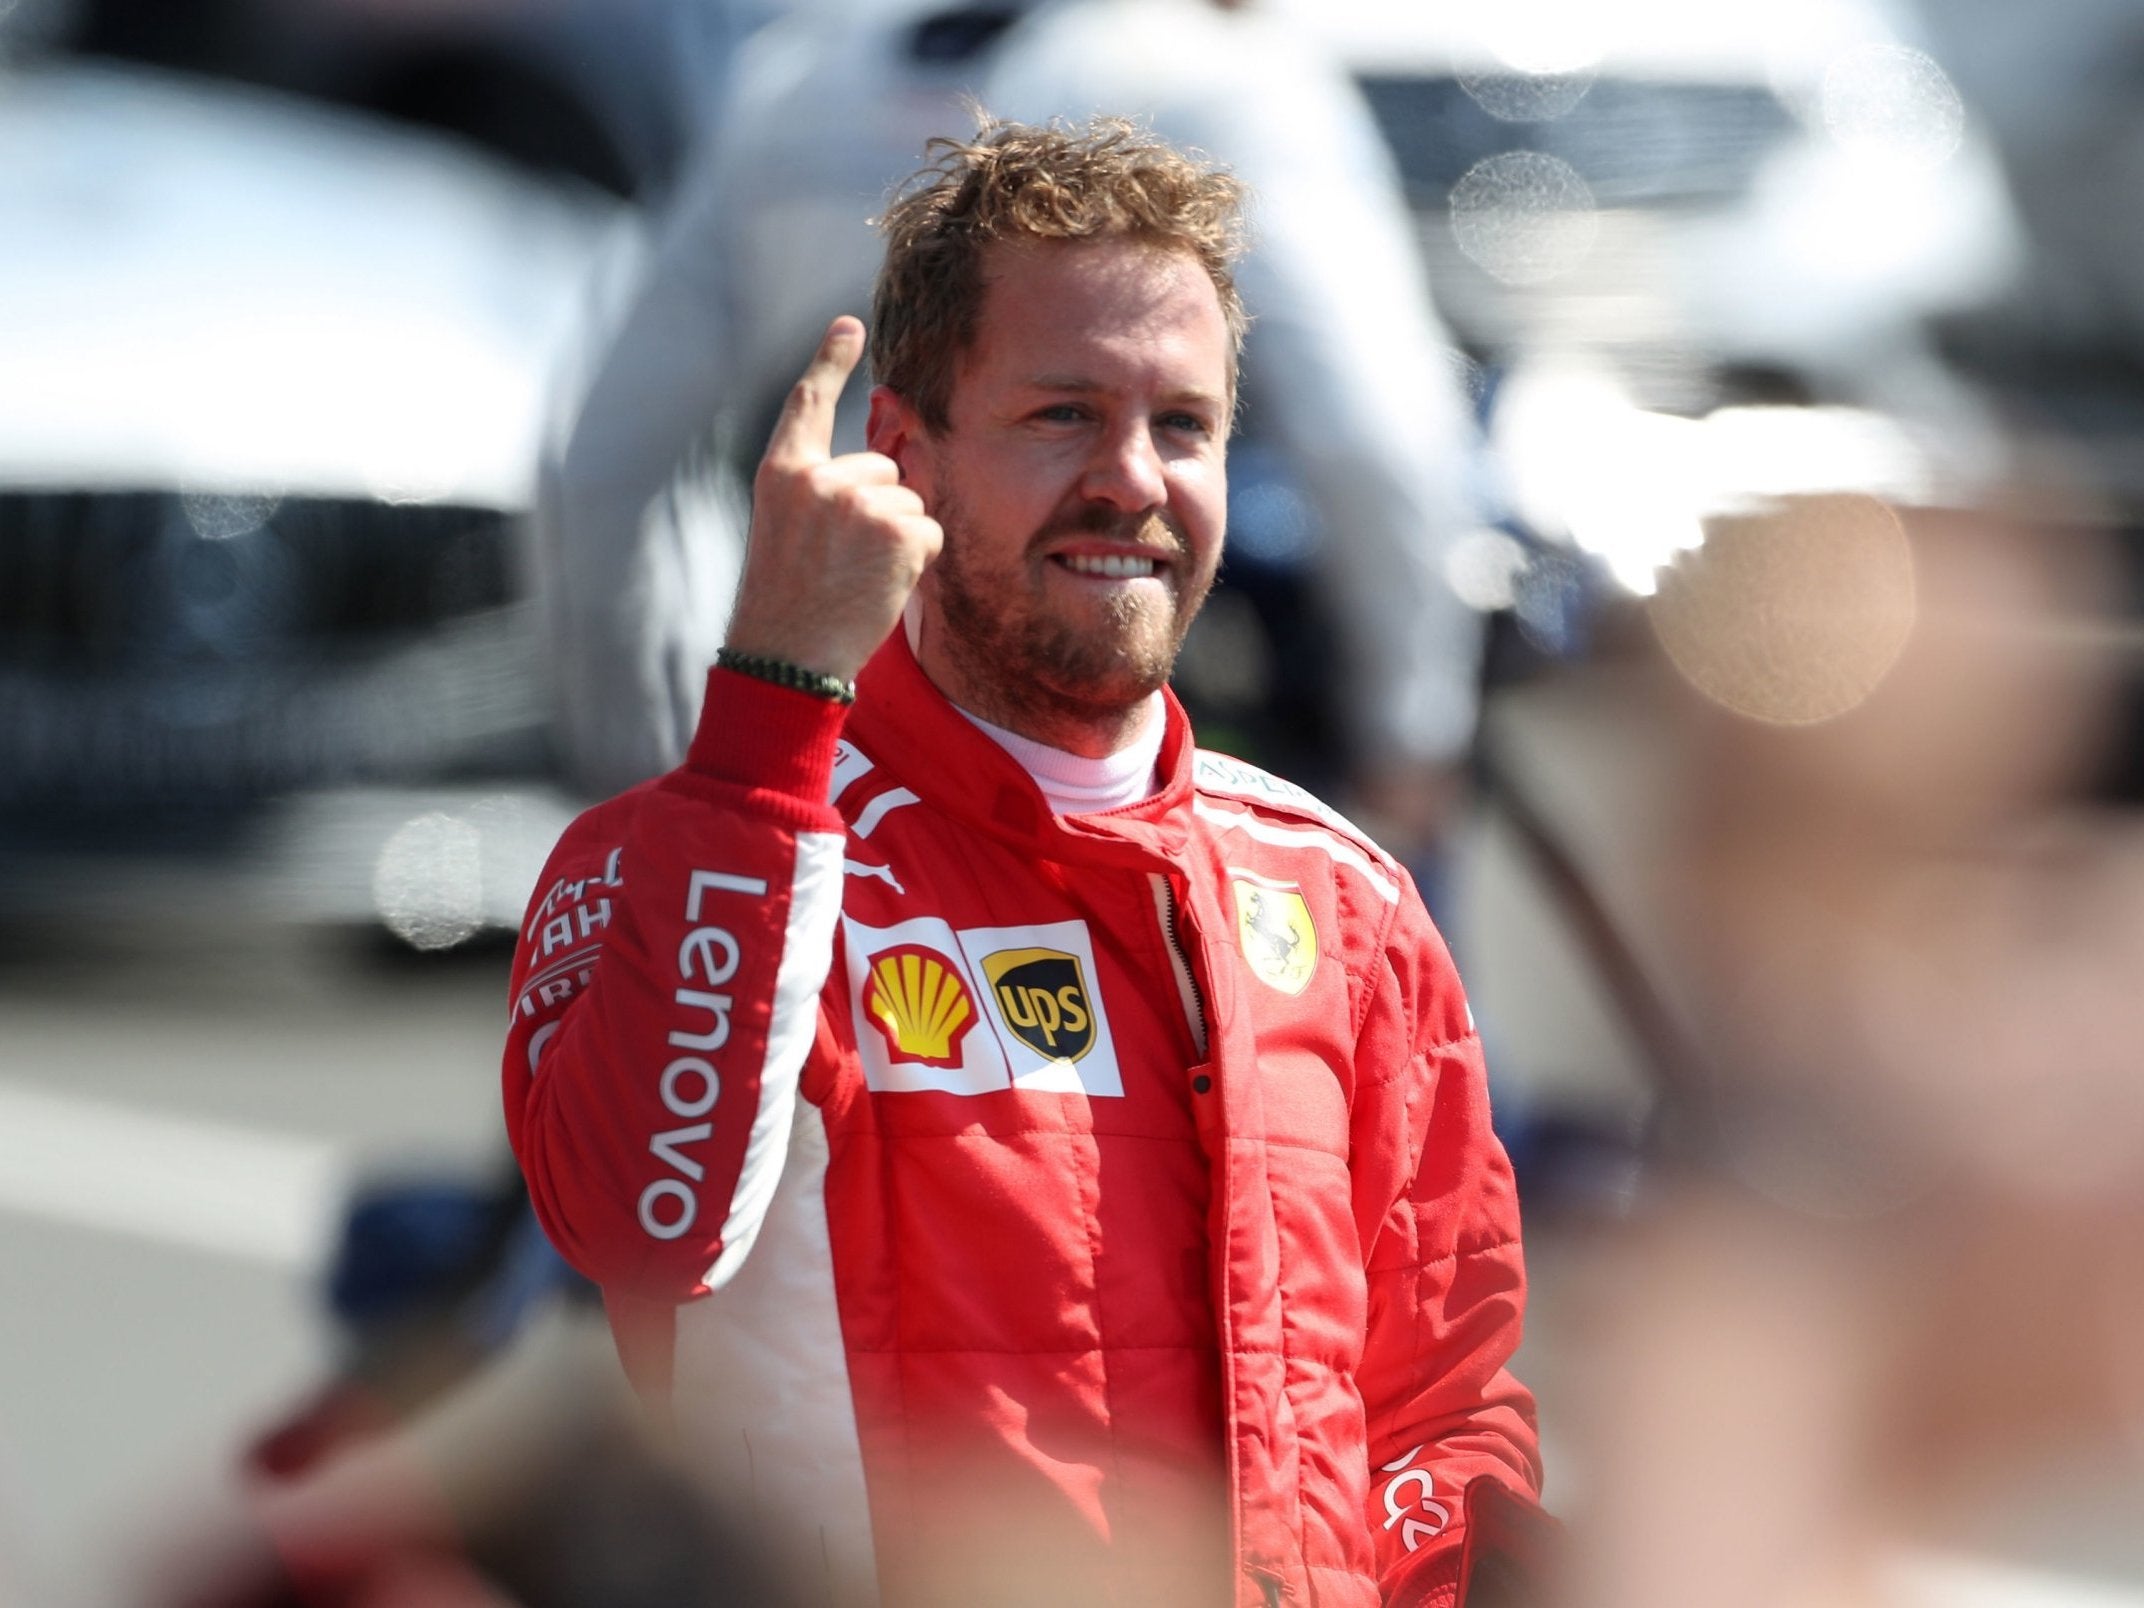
(428, 884)
(1524, 216)
(1794, 614)
(1484, 567)
(1893, 104)
(221, 516)
(1526, 97)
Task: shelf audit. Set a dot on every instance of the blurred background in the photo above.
(1694, 519)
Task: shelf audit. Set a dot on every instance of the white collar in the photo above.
(1076, 785)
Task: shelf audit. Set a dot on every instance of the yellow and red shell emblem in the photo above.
(920, 1003)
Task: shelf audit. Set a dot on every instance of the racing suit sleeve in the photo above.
(666, 996)
(1438, 1213)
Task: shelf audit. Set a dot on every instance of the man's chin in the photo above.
(1048, 662)
(1103, 700)
(1111, 688)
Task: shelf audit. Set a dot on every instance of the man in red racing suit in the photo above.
(1012, 1205)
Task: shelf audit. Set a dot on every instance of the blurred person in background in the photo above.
(1878, 1341)
(1046, 1163)
(1349, 373)
(536, 1485)
(1883, 1327)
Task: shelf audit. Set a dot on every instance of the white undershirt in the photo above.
(1078, 786)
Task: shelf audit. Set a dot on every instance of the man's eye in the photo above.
(1062, 413)
(1186, 423)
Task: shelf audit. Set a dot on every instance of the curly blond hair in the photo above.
(1109, 179)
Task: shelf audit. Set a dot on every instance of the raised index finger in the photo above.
(804, 434)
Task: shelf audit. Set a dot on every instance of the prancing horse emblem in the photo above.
(1273, 924)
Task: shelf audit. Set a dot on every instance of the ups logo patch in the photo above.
(976, 1010)
(1042, 995)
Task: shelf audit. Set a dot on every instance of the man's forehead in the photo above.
(1046, 294)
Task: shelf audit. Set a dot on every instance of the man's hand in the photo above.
(837, 543)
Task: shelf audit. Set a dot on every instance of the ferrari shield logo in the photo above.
(1274, 927)
(1043, 998)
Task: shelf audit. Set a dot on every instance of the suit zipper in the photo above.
(1186, 984)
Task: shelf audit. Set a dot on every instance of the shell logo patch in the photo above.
(919, 1002)
(1043, 997)
(979, 1010)
(1273, 924)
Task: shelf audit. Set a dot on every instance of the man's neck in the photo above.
(1079, 786)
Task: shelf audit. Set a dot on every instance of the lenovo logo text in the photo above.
(707, 957)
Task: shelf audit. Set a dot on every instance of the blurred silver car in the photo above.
(274, 383)
(269, 418)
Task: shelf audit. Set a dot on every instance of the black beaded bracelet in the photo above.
(784, 674)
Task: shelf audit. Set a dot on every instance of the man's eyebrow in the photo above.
(1075, 384)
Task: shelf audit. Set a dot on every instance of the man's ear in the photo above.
(895, 430)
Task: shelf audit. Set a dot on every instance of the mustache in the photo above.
(1148, 529)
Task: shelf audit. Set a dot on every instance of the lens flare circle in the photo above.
(223, 516)
(428, 883)
(1524, 217)
(1514, 97)
(1893, 104)
(1792, 615)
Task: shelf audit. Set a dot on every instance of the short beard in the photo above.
(1045, 677)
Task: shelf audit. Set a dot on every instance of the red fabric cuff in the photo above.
(1512, 1549)
(755, 734)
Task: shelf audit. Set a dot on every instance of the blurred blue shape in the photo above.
(441, 1246)
(1270, 521)
(408, 1246)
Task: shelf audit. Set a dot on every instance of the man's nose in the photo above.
(1126, 471)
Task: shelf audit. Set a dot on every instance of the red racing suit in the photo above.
(1021, 1208)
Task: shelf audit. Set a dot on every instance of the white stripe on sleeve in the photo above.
(762, 1398)
(881, 807)
(807, 954)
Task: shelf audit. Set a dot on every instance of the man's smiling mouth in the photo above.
(1110, 566)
